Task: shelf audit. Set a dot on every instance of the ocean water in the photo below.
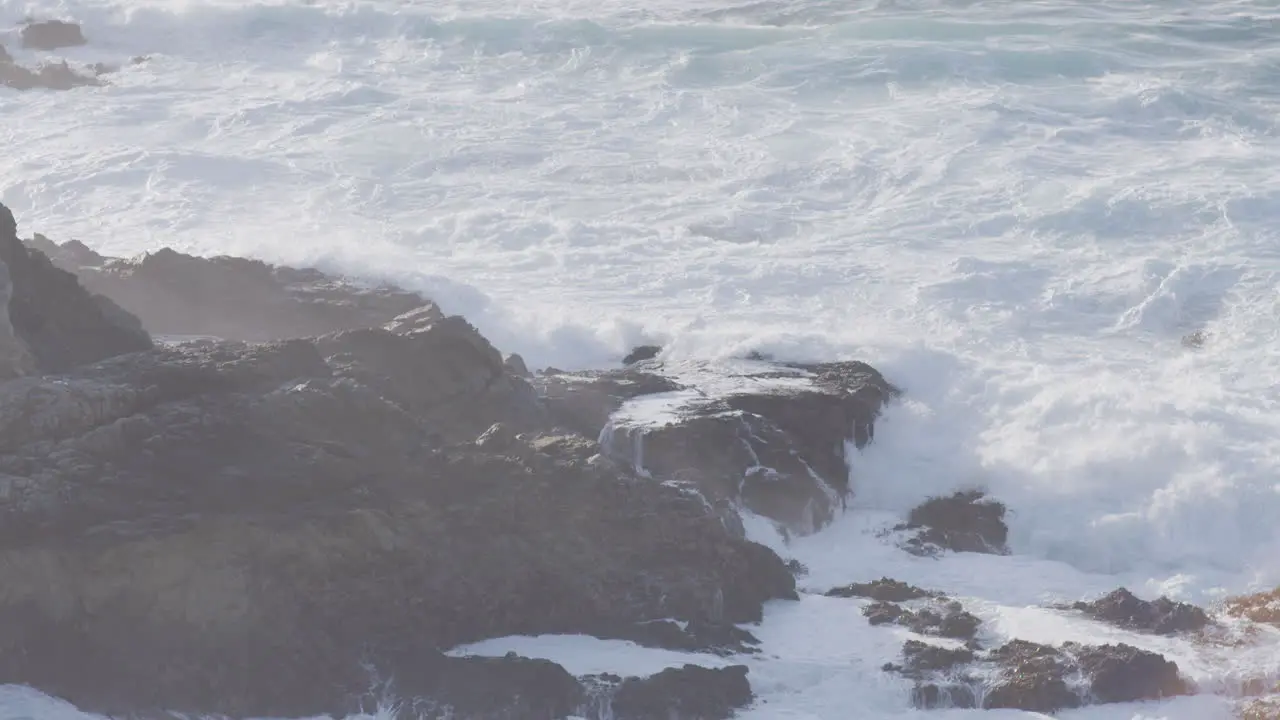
(1015, 210)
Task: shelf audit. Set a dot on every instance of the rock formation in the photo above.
(52, 35)
(269, 528)
(1161, 616)
(230, 298)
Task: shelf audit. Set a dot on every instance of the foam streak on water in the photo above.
(1015, 210)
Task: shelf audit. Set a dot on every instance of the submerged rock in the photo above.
(967, 521)
(1161, 616)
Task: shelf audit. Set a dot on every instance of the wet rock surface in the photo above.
(1161, 616)
(945, 619)
(1263, 607)
(268, 527)
(765, 437)
(884, 590)
(1038, 678)
(967, 521)
(689, 693)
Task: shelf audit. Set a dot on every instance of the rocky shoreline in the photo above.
(237, 489)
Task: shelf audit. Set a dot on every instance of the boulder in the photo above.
(52, 35)
(1161, 616)
(232, 298)
(60, 323)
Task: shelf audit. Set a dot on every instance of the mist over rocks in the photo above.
(228, 297)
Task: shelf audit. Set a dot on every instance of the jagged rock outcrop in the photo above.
(231, 298)
(1037, 678)
(239, 528)
(1161, 616)
(59, 323)
(761, 436)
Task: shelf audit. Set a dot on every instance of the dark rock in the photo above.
(60, 324)
(1123, 673)
(883, 613)
(1032, 678)
(963, 522)
(515, 365)
(1161, 616)
(776, 446)
(51, 35)
(934, 696)
(585, 401)
(234, 298)
(884, 589)
(641, 352)
(688, 693)
(1194, 340)
(949, 620)
(477, 688)
(921, 658)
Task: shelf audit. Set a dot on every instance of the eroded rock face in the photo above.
(61, 325)
(232, 298)
(764, 437)
(1161, 616)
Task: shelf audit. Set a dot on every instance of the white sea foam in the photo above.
(1015, 210)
